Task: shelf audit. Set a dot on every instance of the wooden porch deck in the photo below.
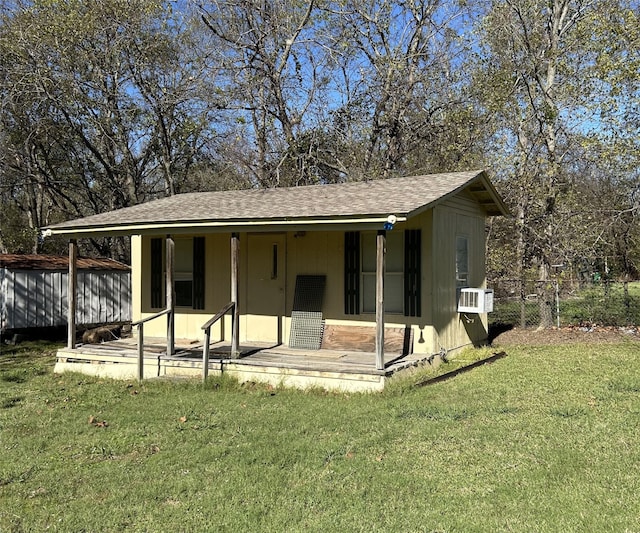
(260, 362)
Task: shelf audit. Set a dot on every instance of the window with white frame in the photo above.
(394, 273)
(183, 275)
(403, 272)
(189, 272)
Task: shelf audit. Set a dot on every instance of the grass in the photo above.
(604, 304)
(542, 440)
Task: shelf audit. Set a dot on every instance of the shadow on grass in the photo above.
(8, 403)
(23, 361)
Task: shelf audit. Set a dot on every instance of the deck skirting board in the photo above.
(277, 367)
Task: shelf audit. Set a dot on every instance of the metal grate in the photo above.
(306, 330)
(309, 293)
(307, 324)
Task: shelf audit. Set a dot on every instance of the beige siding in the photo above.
(217, 284)
(188, 322)
(305, 253)
(322, 252)
(458, 216)
(423, 331)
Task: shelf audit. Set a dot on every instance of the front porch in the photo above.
(259, 362)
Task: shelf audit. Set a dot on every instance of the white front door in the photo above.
(266, 287)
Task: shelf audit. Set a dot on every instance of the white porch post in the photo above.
(235, 320)
(380, 270)
(170, 290)
(72, 283)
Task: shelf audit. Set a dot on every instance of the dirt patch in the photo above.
(567, 335)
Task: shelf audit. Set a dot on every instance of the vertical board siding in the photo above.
(456, 216)
(38, 299)
(24, 285)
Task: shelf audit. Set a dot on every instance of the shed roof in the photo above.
(365, 200)
(56, 262)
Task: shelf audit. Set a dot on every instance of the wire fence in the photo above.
(565, 303)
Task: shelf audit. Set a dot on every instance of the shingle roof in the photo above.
(399, 196)
(56, 262)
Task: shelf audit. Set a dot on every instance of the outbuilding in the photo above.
(372, 267)
(34, 288)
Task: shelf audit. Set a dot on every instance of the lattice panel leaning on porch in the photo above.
(307, 324)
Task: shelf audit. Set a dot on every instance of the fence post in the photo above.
(557, 303)
(627, 303)
(523, 299)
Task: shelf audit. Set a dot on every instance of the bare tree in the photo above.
(101, 107)
(404, 88)
(268, 54)
(537, 55)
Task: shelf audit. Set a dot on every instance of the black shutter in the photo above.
(198, 272)
(157, 278)
(352, 273)
(412, 272)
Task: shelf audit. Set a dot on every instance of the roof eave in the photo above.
(496, 207)
(221, 226)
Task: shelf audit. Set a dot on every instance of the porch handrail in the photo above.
(149, 318)
(218, 315)
(207, 335)
(140, 325)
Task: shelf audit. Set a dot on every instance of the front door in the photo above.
(266, 287)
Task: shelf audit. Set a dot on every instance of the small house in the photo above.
(33, 291)
(372, 269)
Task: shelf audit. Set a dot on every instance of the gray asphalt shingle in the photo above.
(399, 196)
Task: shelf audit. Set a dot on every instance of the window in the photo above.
(189, 272)
(183, 272)
(393, 278)
(402, 282)
(462, 261)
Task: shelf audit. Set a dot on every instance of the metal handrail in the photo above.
(148, 318)
(140, 325)
(207, 335)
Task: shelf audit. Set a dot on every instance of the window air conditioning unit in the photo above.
(475, 301)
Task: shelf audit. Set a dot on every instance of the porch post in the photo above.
(170, 290)
(235, 320)
(380, 269)
(72, 283)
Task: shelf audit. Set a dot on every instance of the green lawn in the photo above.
(546, 439)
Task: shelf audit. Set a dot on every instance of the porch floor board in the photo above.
(276, 365)
(252, 353)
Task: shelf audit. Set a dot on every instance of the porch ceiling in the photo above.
(365, 203)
